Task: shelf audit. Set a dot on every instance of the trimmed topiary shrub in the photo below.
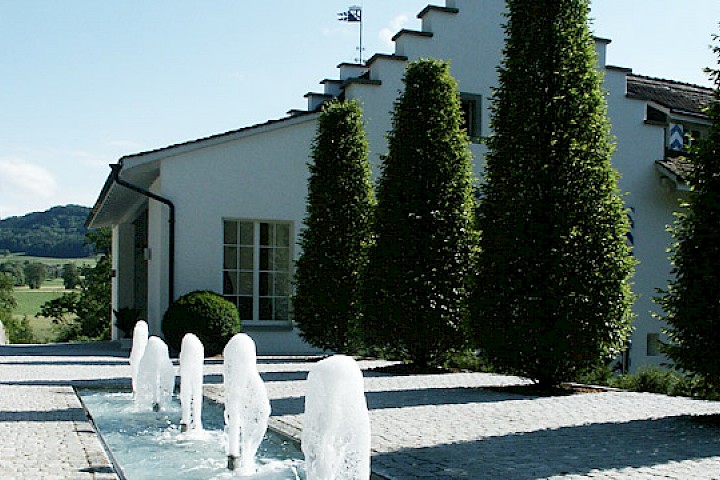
(415, 287)
(552, 294)
(339, 230)
(691, 302)
(206, 314)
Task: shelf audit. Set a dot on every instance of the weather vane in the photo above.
(354, 15)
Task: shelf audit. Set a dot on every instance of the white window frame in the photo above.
(256, 320)
(652, 347)
(474, 124)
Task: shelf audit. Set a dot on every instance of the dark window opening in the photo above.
(472, 115)
(654, 115)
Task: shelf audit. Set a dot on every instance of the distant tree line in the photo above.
(58, 232)
(34, 274)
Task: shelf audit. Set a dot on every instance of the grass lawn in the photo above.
(18, 257)
(29, 303)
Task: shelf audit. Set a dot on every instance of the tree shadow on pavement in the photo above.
(576, 450)
(91, 349)
(406, 398)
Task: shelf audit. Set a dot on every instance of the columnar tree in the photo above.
(552, 294)
(16, 330)
(35, 274)
(71, 276)
(415, 288)
(692, 301)
(338, 231)
(7, 301)
(15, 270)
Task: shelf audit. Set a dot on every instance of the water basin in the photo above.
(149, 445)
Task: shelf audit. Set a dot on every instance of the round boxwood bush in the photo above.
(206, 314)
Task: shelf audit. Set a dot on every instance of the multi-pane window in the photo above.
(653, 344)
(256, 269)
(472, 115)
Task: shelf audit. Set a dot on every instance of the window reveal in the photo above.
(256, 269)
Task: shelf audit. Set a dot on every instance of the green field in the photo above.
(29, 303)
(19, 257)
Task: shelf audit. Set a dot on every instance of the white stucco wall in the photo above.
(158, 259)
(261, 177)
(257, 177)
(471, 40)
(638, 146)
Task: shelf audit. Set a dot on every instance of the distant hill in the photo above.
(58, 232)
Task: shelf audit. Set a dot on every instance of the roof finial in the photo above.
(354, 15)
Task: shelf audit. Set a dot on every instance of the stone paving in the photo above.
(424, 427)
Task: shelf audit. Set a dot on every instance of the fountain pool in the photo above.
(149, 445)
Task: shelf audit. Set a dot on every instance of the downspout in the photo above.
(171, 240)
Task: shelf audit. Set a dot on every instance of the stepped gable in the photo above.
(678, 97)
(361, 73)
(435, 8)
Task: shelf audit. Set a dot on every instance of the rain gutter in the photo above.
(115, 176)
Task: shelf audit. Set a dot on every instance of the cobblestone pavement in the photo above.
(427, 426)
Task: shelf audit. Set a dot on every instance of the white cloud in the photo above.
(396, 24)
(24, 186)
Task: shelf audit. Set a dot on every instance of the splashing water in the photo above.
(192, 358)
(139, 342)
(336, 426)
(149, 446)
(156, 376)
(247, 407)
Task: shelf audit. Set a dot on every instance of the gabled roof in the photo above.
(116, 200)
(678, 167)
(213, 139)
(680, 98)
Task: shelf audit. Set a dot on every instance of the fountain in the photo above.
(192, 359)
(336, 426)
(147, 445)
(156, 376)
(247, 407)
(139, 342)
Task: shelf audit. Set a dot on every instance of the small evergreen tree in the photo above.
(338, 231)
(415, 288)
(7, 301)
(16, 270)
(35, 274)
(552, 295)
(692, 302)
(71, 276)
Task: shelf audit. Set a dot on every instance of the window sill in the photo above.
(266, 325)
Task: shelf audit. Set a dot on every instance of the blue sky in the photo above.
(84, 82)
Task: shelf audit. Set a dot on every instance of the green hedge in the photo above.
(206, 314)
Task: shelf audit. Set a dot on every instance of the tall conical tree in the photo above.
(692, 301)
(553, 293)
(338, 231)
(415, 288)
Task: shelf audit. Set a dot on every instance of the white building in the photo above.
(236, 201)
